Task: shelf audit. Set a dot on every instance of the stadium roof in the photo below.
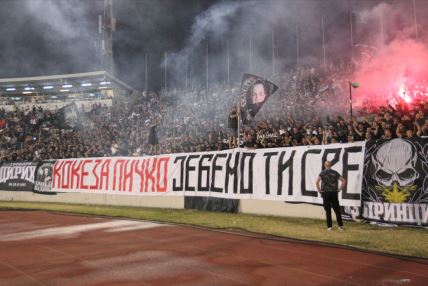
(78, 82)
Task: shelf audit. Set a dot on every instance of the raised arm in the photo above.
(418, 128)
(357, 131)
(324, 138)
(398, 131)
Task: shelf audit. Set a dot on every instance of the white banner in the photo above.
(286, 174)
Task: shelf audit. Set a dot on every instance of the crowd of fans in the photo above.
(310, 108)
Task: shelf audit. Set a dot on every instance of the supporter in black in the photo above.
(329, 191)
(387, 135)
(409, 133)
(249, 140)
(232, 124)
(369, 136)
(297, 135)
(153, 138)
(406, 122)
(359, 130)
(422, 130)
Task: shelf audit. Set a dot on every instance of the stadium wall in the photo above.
(260, 207)
(96, 199)
(278, 208)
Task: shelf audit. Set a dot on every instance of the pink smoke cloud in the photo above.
(391, 72)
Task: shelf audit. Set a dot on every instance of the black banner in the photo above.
(212, 204)
(43, 181)
(68, 117)
(395, 182)
(254, 92)
(17, 176)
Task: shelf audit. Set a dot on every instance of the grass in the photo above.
(400, 240)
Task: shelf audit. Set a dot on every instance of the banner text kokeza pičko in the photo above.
(118, 174)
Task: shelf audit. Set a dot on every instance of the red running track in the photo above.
(41, 248)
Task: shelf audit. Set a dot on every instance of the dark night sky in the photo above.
(44, 37)
(140, 32)
(30, 47)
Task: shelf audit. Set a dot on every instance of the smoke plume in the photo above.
(390, 59)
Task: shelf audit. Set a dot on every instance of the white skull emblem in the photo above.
(395, 161)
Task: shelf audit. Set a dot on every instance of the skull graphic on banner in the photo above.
(396, 172)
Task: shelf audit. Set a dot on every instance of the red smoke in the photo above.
(396, 72)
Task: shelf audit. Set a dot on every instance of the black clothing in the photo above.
(329, 180)
(298, 136)
(232, 123)
(233, 120)
(329, 188)
(358, 137)
(153, 138)
(408, 124)
(331, 200)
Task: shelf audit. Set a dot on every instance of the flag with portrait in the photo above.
(255, 91)
(69, 117)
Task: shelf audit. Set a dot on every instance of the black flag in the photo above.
(254, 92)
(68, 117)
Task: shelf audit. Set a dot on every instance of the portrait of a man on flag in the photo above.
(255, 91)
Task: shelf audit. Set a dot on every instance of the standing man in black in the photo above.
(329, 191)
(232, 123)
(153, 137)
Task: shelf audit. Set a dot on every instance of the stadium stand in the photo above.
(309, 109)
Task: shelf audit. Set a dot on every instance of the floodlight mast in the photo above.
(106, 28)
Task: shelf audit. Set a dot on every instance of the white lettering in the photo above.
(389, 212)
(25, 173)
(401, 212)
(378, 211)
(424, 210)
